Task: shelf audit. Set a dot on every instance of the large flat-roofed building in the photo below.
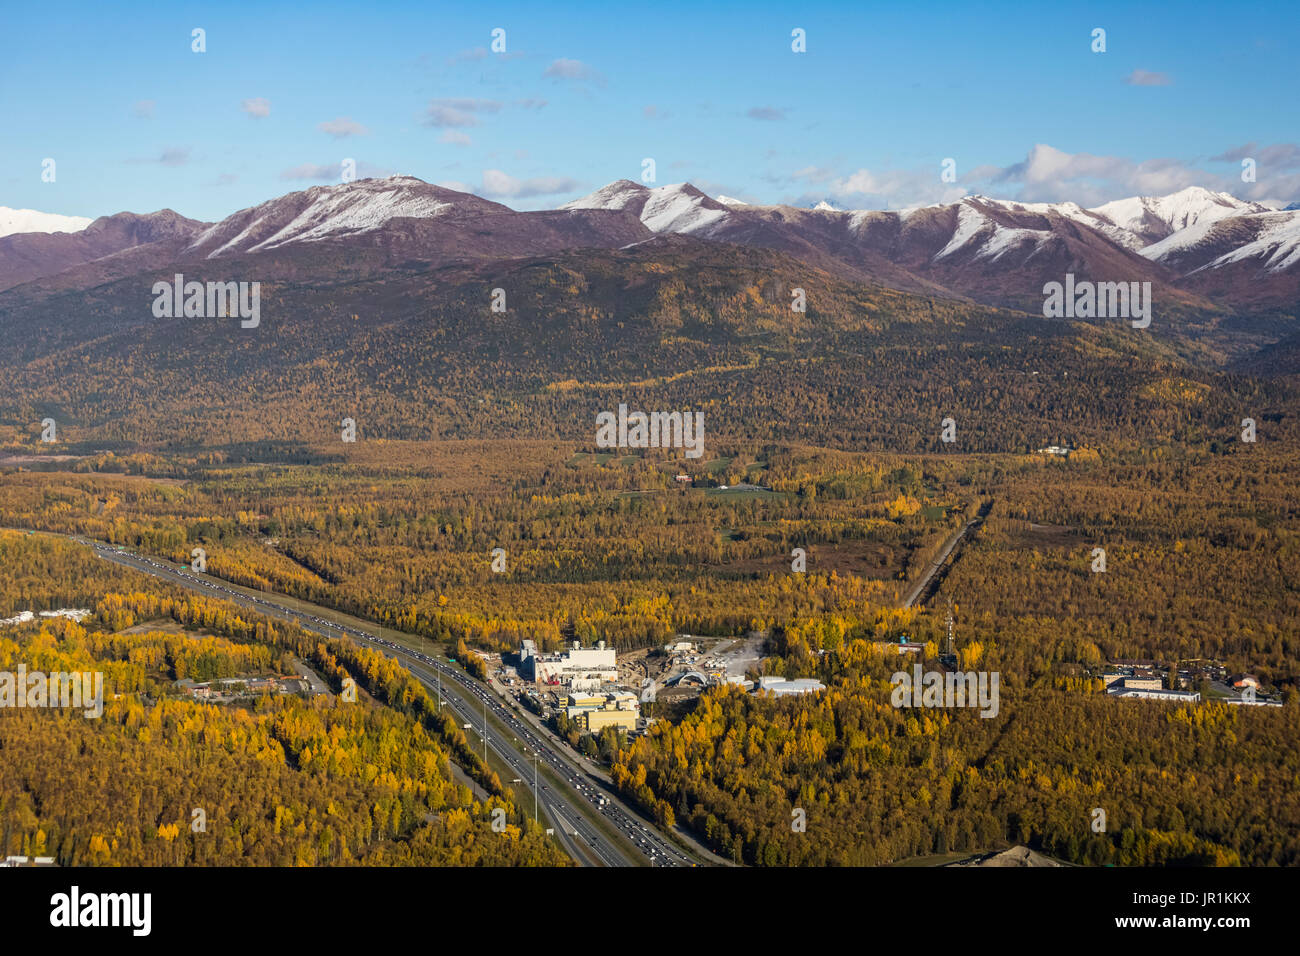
(1142, 683)
(578, 667)
(1177, 696)
(594, 712)
(783, 687)
(1246, 701)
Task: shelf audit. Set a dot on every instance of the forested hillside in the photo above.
(287, 781)
(419, 354)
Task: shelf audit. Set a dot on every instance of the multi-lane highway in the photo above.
(571, 799)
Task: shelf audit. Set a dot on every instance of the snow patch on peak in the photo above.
(1274, 241)
(1277, 244)
(321, 211)
(343, 211)
(992, 239)
(15, 221)
(679, 207)
(617, 195)
(1156, 217)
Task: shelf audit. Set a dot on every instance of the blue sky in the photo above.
(584, 92)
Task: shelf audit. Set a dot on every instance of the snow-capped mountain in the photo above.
(13, 221)
(1250, 260)
(1152, 218)
(984, 237)
(991, 250)
(1269, 237)
(1067, 210)
(334, 212)
(679, 208)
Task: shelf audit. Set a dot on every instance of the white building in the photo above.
(578, 668)
(784, 688)
(1250, 700)
(1177, 696)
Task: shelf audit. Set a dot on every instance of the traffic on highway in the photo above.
(571, 821)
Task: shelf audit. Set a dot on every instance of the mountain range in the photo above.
(377, 299)
(1199, 249)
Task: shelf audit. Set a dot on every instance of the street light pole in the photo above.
(534, 784)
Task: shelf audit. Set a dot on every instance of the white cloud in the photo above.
(498, 183)
(576, 70)
(455, 138)
(457, 111)
(870, 189)
(171, 156)
(1277, 156)
(332, 172)
(342, 128)
(1048, 174)
(143, 109)
(1147, 78)
(175, 156)
(312, 171)
(258, 106)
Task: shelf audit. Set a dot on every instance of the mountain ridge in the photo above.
(1199, 249)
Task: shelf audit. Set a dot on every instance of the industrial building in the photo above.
(1133, 678)
(1177, 696)
(577, 668)
(594, 712)
(1247, 701)
(783, 687)
(1142, 683)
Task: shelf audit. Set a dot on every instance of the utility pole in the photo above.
(950, 627)
(949, 658)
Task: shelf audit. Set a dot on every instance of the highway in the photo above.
(467, 697)
(919, 589)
